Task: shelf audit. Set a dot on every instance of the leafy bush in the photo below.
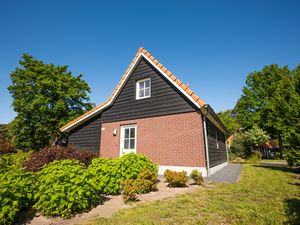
(197, 177)
(105, 174)
(293, 156)
(146, 181)
(131, 165)
(238, 147)
(5, 146)
(17, 188)
(64, 187)
(176, 179)
(49, 154)
(129, 190)
(109, 174)
(244, 144)
(13, 161)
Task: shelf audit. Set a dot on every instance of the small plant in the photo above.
(253, 159)
(146, 181)
(176, 179)
(64, 188)
(48, 154)
(129, 190)
(197, 177)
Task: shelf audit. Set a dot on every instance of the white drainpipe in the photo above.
(206, 146)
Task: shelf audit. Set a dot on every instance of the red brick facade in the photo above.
(172, 140)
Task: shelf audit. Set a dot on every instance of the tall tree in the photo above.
(229, 119)
(45, 97)
(269, 99)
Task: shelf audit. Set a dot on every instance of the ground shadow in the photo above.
(281, 168)
(26, 215)
(292, 210)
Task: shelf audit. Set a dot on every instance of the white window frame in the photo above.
(122, 138)
(217, 140)
(137, 88)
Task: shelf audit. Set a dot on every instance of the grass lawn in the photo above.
(264, 195)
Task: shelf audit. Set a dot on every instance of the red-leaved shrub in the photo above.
(48, 154)
(5, 146)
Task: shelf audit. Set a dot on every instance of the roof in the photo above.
(145, 54)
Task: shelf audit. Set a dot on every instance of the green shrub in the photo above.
(292, 156)
(131, 165)
(106, 175)
(109, 174)
(13, 161)
(145, 182)
(17, 188)
(197, 177)
(64, 187)
(176, 179)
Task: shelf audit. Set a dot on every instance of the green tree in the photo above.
(45, 97)
(229, 119)
(267, 101)
(292, 118)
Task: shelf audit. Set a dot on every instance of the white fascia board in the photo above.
(108, 103)
(121, 86)
(174, 83)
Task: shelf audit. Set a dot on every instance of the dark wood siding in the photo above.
(165, 98)
(87, 135)
(216, 155)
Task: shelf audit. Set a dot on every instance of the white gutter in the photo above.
(206, 144)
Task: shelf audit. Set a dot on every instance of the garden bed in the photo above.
(111, 205)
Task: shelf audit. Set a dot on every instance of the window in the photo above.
(217, 139)
(128, 139)
(143, 88)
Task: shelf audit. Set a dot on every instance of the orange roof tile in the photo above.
(157, 63)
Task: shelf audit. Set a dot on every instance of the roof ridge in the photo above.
(159, 65)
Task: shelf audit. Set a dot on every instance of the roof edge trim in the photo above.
(111, 99)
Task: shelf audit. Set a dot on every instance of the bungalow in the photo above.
(152, 112)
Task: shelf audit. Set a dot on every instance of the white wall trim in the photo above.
(188, 169)
(217, 168)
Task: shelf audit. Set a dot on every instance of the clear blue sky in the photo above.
(212, 45)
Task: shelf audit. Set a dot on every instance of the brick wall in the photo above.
(173, 140)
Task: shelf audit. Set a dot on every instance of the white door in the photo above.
(128, 139)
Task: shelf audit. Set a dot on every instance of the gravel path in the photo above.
(229, 174)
